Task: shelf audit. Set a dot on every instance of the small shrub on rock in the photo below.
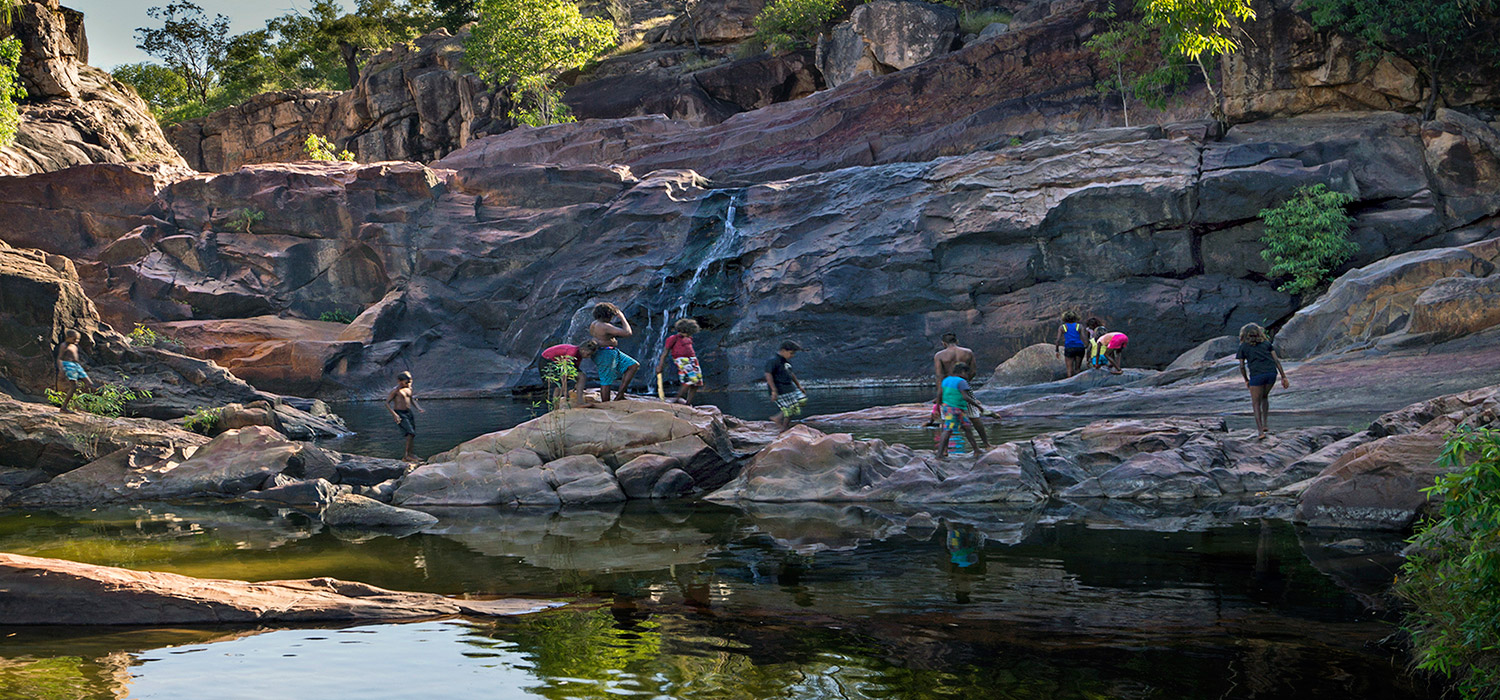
(337, 316)
(1307, 237)
(203, 420)
(11, 92)
(1452, 575)
(320, 148)
(106, 400)
(144, 337)
(790, 24)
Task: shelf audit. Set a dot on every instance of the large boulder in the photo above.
(1457, 306)
(353, 511)
(1379, 485)
(55, 592)
(604, 453)
(1033, 364)
(1377, 300)
(885, 36)
(1206, 352)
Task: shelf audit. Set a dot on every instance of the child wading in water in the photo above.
(69, 368)
(1070, 343)
(559, 365)
(957, 397)
(680, 348)
(1260, 367)
(613, 365)
(786, 389)
(400, 403)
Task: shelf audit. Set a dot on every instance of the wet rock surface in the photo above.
(55, 592)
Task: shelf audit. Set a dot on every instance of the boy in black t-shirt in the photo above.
(786, 389)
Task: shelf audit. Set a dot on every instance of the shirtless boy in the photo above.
(943, 365)
(613, 365)
(400, 403)
(69, 368)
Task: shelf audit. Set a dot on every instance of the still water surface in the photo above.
(1106, 600)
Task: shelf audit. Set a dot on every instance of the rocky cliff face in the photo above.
(464, 275)
(74, 113)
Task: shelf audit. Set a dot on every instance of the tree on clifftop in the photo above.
(1436, 36)
(188, 42)
(524, 44)
(1195, 28)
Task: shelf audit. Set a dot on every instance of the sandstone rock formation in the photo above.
(441, 266)
(885, 36)
(43, 298)
(84, 459)
(605, 453)
(1123, 459)
(74, 113)
(1439, 293)
(1378, 485)
(354, 511)
(1033, 364)
(56, 592)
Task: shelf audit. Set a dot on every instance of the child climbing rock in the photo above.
(69, 368)
(400, 403)
(560, 365)
(786, 389)
(679, 347)
(1070, 342)
(614, 366)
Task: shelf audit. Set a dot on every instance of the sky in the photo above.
(111, 23)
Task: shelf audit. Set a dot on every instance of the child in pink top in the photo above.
(560, 365)
(680, 348)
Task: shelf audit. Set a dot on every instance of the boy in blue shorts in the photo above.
(613, 365)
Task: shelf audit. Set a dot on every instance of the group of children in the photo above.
(1092, 345)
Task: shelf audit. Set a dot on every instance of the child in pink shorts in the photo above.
(679, 347)
(1114, 351)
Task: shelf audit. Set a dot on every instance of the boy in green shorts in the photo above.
(786, 389)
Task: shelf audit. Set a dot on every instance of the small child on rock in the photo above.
(679, 347)
(400, 403)
(69, 368)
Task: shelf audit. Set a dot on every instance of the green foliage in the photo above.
(320, 148)
(518, 42)
(337, 316)
(1436, 36)
(1307, 237)
(188, 42)
(161, 87)
(1199, 31)
(144, 337)
(106, 400)
(536, 103)
(203, 420)
(1143, 68)
(454, 13)
(243, 218)
(790, 24)
(1452, 577)
(11, 91)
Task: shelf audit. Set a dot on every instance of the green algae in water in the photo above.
(1114, 600)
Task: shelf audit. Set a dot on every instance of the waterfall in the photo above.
(724, 247)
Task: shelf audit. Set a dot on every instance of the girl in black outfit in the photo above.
(1260, 367)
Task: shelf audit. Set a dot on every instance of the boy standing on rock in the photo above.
(786, 389)
(69, 368)
(957, 398)
(400, 403)
(945, 364)
(613, 365)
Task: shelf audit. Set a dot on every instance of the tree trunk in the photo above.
(1124, 99)
(350, 54)
(1216, 109)
(1430, 109)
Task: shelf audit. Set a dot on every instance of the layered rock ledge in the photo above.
(55, 592)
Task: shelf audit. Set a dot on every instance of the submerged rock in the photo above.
(54, 592)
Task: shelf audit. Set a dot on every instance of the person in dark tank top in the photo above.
(1260, 367)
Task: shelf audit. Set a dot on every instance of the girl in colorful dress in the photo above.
(680, 348)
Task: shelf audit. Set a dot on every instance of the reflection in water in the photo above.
(1065, 600)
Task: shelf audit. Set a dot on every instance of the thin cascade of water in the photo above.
(724, 247)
